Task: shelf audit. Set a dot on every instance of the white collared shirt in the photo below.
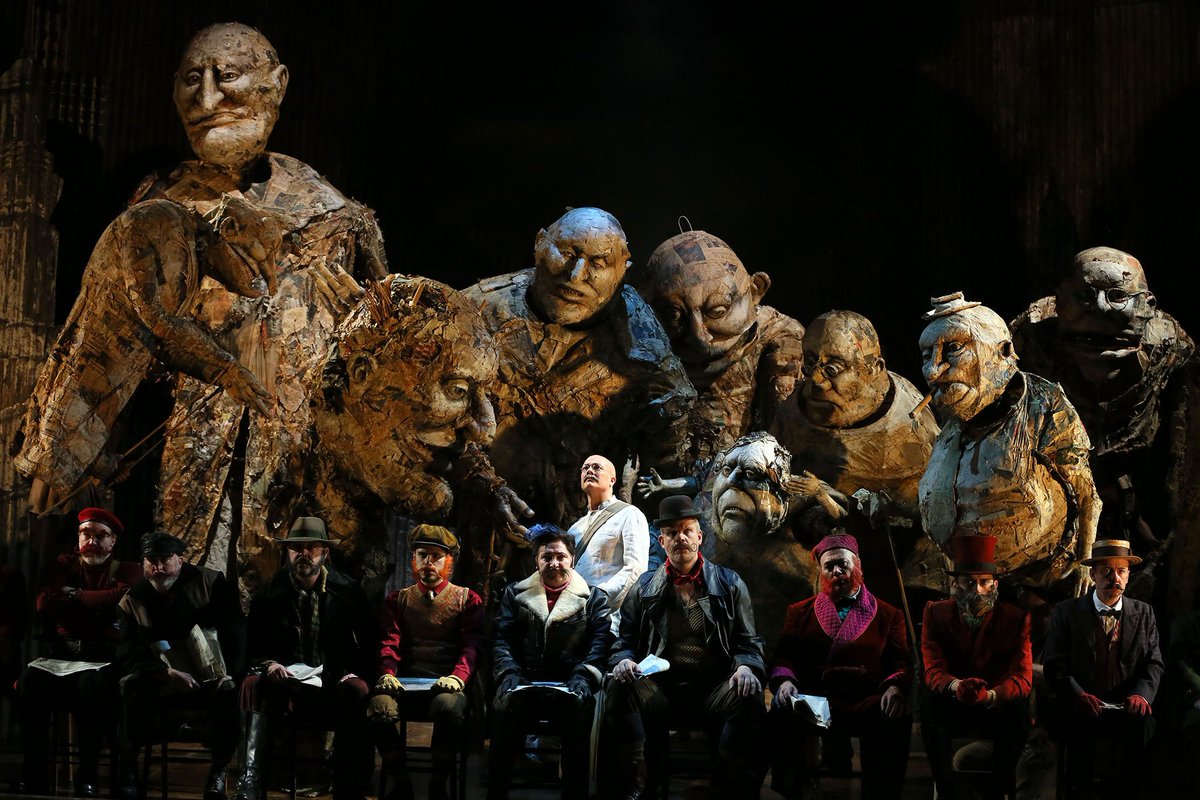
(618, 553)
(1109, 622)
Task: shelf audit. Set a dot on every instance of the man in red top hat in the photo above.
(848, 647)
(979, 670)
(78, 604)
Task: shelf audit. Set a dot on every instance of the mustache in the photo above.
(91, 548)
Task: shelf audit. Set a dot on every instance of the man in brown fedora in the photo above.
(698, 617)
(433, 629)
(310, 615)
(979, 671)
(1103, 661)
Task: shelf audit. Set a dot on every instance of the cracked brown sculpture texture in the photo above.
(226, 468)
(585, 366)
(1011, 460)
(849, 424)
(141, 282)
(742, 357)
(1128, 368)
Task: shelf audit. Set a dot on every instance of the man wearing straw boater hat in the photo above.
(979, 670)
(1102, 659)
(310, 615)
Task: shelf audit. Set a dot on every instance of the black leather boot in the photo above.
(214, 787)
(254, 728)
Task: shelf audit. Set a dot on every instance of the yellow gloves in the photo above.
(450, 684)
(388, 684)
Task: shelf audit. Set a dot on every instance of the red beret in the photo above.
(102, 516)
(835, 541)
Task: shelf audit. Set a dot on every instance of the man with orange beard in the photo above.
(850, 648)
(434, 630)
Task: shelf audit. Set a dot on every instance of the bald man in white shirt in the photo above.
(612, 540)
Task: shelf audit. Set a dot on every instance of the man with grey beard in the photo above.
(979, 670)
(182, 637)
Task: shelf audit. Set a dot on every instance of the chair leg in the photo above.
(162, 768)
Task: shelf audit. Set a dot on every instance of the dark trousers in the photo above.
(884, 745)
(650, 705)
(946, 719)
(90, 697)
(512, 715)
(447, 711)
(146, 701)
(340, 705)
(1111, 748)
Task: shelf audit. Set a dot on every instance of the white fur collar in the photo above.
(532, 594)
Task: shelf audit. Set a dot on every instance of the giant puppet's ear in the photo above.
(761, 282)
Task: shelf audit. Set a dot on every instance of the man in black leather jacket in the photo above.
(697, 616)
(552, 628)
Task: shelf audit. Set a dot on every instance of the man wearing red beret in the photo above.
(848, 647)
(77, 603)
(978, 667)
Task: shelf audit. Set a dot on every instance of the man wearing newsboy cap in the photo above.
(1103, 661)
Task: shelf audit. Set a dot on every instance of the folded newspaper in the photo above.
(417, 684)
(652, 664)
(558, 687)
(59, 667)
(310, 676)
(812, 709)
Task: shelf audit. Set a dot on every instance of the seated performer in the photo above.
(1102, 659)
(79, 602)
(311, 615)
(979, 670)
(553, 628)
(697, 616)
(434, 630)
(850, 648)
(182, 637)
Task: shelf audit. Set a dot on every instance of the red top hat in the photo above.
(973, 555)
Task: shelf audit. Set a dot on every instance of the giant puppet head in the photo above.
(967, 354)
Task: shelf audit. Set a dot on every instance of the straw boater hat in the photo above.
(1111, 548)
(973, 555)
(307, 529)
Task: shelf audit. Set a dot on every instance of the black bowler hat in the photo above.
(161, 543)
(675, 507)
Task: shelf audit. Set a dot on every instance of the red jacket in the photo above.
(999, 652)
(856, 676)
(92, 614)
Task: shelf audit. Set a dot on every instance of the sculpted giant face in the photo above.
(227, 92)
(1103, 307)
(415, 362)
(579, 262)
(702, 294)
(747, 493)
(845, 377)
(968, 360)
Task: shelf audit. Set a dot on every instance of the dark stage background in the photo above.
(866, 159)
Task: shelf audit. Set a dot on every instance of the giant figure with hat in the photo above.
(309, 615)
(979, 671)
(433, 629)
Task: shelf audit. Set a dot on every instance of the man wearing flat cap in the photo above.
(77, 603)
(1103, 662)
(182, 639)
(433, 629)
(846, 646)
(310, 615)
(697, 616)
(979, 671)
